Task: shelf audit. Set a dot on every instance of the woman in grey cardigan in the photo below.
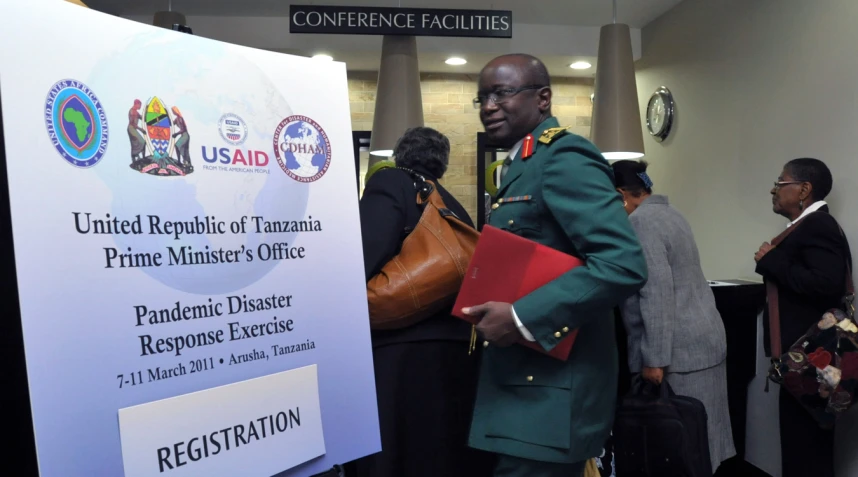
(674, 330)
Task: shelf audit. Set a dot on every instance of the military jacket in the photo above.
(531, 405)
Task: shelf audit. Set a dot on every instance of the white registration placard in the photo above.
(228, 430)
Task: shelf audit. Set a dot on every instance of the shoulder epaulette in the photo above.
(551, 134)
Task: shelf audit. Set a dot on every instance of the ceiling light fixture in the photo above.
(616, 124)
(580, 65)
(455, 61)
(323, 57)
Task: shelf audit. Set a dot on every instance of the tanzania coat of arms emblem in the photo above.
(161, 147)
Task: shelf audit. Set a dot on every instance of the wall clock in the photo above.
(660, 113)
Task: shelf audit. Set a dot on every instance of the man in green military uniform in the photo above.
(542, 416)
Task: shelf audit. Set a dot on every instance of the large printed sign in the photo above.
(189, 269)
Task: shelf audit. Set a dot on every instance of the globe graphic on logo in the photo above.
(205, 82)
(302, 148)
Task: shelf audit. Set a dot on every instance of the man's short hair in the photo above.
(538, 73)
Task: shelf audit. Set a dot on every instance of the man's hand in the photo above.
(496, 325)
(764, 249)
(653, 375)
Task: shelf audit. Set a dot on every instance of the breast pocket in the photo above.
(520, 217)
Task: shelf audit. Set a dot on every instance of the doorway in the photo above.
(360, 142)
(487, 154)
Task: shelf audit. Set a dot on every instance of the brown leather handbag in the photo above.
(425, 277)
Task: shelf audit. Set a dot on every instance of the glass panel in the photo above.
(487, 199)
(492, 155)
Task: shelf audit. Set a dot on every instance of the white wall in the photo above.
(757, 83)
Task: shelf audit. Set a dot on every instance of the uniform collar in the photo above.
(515, 149)
(517, 167)
(550, 122)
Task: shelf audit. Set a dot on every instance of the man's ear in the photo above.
(544, 99)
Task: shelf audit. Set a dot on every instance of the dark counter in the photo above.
(739, 306)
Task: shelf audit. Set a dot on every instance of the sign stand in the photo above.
(16, 393)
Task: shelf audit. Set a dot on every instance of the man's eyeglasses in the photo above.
(779, 184)
(501, 95)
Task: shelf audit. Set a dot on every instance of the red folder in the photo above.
(506, 267)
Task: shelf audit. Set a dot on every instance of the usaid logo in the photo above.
(232, 129)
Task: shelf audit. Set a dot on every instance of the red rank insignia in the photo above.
(527, 147)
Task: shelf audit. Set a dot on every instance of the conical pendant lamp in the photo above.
(169, 18)
(616, 126)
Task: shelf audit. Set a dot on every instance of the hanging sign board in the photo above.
(399, 21)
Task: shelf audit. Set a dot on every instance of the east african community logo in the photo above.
(76, 123)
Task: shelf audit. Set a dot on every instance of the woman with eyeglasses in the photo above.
(675, 332)
(809, 269)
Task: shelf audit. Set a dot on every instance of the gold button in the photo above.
(511, 222)
(495, 206)
(485, 344)
(566, 329)
(530, 379)
(557, 335)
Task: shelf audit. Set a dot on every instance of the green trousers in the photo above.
(508, 466)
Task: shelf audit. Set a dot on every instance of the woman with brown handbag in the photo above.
(425, 379)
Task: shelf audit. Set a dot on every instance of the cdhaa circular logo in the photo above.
(302, 148)
(76, 122)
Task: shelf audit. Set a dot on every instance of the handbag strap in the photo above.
(427, 192)
(849, 298)
(424, 187)
(772, 296)
(772, 299)
(640, 387)
(774, 319)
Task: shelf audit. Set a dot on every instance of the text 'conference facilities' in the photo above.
(399, 21)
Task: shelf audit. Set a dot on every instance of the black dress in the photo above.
(809, 268)
(425, 379)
